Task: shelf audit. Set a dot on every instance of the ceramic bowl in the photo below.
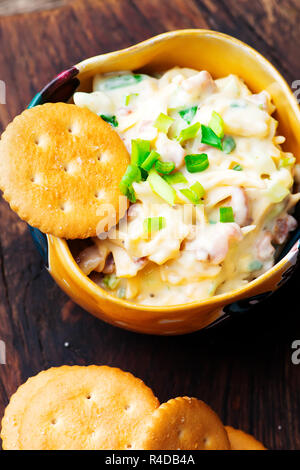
(220, 55)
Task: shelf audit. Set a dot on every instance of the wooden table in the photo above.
(243, 369)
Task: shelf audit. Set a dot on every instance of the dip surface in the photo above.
(233, 195)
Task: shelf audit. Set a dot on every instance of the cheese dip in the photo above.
(210, 189)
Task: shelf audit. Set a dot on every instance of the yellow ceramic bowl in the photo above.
(220, 55)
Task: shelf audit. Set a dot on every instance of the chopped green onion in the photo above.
(163, 123)
(154, 224)
(238, 104)
(194, 193)
(150, 160)
(111, 281)
(140, 149)
(131, 174)
(129, 97)
(226, 214)
(164, 167)
(175, 178)
(286, 162)
(210, 138)
(190, 195)
(120, 81)
(216, 123)
(196, 162)
(121, 292)
(228, 144)
(188, 114)
(277, 192)
(198, 189)
(144, 174)
(110, 119)
(189, 132)
(255, 265)
(160, 187)
(237, 168)
(130, 194)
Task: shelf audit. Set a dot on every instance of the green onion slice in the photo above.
(121, 292)
(216, 123)
(255, 265)
(110, 119)
(196, 162)
(160, 187)
(188, 193)
(238, 104)
(194, 193)
(150, 160)
(237, 168)
(120, 81)
(164, 167)
(226, 214)
(210, 138)
(286, 162)
(175, 178)
(140, 149)
(129, 97)
(188, 114)
(163, 123)
(228, 144)
(189, 132)
(198, 189)
(111, 281)
(153, 224)
(131, 174)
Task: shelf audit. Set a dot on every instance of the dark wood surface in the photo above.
(243, 369)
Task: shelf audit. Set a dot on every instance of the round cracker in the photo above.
(183, 424)
(240, 440)
(84, 408)
(60, 169)
(10, 428)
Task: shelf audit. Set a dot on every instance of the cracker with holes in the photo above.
(240, 440)
(60, 169)
(94, 407)
(183, 424)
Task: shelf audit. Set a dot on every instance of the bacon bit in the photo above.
(124, 111)
(282, 227)
(203, 147)
(240, 206)
(89, 259)
(197, 84)
(110, 266)
(264, 247)
(141, 262)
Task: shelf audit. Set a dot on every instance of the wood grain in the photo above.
(243, 369)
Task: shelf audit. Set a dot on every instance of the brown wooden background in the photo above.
(244, 369)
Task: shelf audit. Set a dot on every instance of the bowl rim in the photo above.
(61, 246)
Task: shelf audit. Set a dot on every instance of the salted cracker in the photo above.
(183, 423)
(82, 408)
(60, 169)
(240, 440)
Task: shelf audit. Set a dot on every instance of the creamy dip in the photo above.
(214, 226)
